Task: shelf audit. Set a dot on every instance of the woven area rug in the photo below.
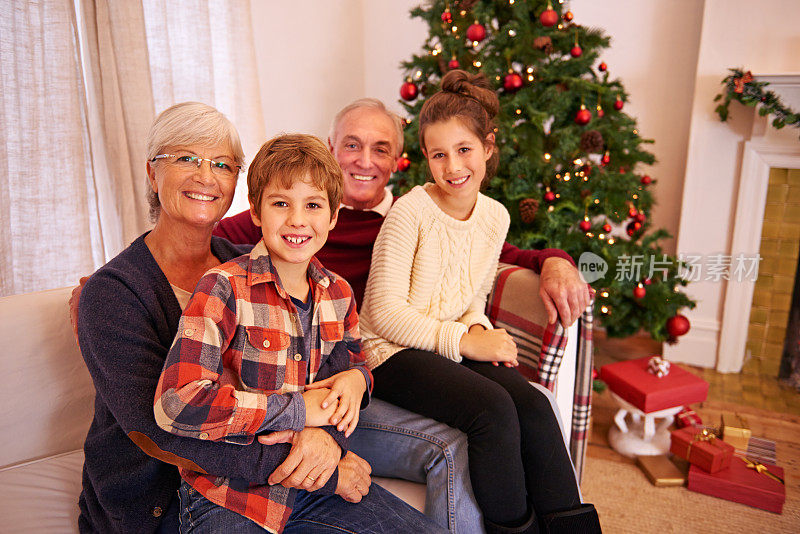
(627, 502)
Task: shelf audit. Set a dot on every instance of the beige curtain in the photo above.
(81, 82)
(50, 230)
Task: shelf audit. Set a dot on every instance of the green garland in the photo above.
(741, 86)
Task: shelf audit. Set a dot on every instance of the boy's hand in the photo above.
(348, 387)
(494, 346)
(316, 414)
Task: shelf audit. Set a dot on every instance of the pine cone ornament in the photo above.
(544, 43)
(592, 141)
(527, 209)
(465, 5)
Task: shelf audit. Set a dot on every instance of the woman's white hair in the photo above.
(369, 103)
(189, 123)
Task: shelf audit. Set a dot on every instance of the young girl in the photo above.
(428, 342)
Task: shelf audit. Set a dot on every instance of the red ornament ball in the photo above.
(606, 227)
(633, 227)
(549, 196)
(640, 217)
(453, 64)
(602, 66)
(646, 180)
(639, 291)
(618, 103)
(585, 225)
(600, 112)
(583, 116)
(512, 82)
(576, 51)
(548, 17)
(409, 91)
(476, 32)
(647, 281)
(677, 325)
(606, 159)
(403, 164)
(447, 17)
(568, 16)
(632, 212)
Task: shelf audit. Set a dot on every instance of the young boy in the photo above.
(269, 341)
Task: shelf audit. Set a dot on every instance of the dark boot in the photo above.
(531, 526)
(581, 520)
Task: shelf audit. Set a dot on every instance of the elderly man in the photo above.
(367, 140)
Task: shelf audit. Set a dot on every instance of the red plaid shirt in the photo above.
(236, 368)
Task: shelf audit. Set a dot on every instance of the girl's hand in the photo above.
(494, 346)
(348, 387)
(316, 414)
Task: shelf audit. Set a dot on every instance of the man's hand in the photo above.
(346, 388)
(311, 461)
(495, 346)
(564, 292)
(354, 480)
(73, 305)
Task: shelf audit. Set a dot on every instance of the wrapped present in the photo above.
(745, 482)
(687, 417)
(631, 380)
(762, 450)
(660, 471)
(735, 430)
(701, 448)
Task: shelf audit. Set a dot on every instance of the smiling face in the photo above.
(294, 223)
(457, 160)
(194, 196)
(365, 146)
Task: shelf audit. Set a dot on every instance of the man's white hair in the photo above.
(370, 103)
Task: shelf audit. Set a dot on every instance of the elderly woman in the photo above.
(127, 319)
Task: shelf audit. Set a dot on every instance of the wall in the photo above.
(735, 33)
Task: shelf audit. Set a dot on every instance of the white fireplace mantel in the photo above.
(720, 329)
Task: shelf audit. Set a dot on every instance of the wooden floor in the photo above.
(749, 388)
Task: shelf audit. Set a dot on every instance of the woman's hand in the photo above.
(494, 346)
(348, 388)
(318, 411)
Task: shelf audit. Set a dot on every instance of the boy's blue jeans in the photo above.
(379, 512)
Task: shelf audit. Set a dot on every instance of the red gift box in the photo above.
(687, 417)
(741, 484)
(630, 380)
(701, 449)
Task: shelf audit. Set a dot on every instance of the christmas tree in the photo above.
(573, 168)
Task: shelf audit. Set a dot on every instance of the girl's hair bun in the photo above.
(474, 86)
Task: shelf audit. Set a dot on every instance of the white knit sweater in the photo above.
(430, 276)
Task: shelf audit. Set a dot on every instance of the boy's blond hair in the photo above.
(292, 157)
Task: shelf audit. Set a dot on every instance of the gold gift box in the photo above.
(735, 430)
(660, 471)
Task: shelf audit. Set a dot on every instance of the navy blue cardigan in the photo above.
(128, 317)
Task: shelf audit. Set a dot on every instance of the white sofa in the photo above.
(48, 407)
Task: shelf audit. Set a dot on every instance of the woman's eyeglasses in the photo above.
(224, 168)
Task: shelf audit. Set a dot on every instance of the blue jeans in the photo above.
(379, 512)
(401, 444)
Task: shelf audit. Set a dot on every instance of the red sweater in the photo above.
(348, 251)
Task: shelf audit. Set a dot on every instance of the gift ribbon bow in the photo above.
(747, 77)
(704, 435)
(658, 366)
(758, 467)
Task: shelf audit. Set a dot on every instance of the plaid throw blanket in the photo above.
(514, 304)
